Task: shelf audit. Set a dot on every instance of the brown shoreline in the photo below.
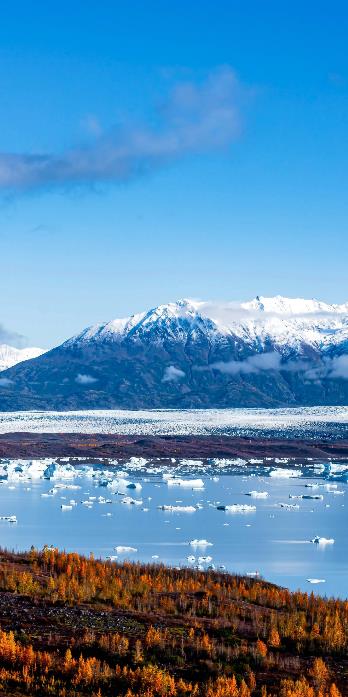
(30, 445)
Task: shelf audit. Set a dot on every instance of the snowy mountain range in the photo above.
(267, 352)
(9, 355)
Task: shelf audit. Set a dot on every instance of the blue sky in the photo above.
(157, 150)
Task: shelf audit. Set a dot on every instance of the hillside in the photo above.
(74, 626)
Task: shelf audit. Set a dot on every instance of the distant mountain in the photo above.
(9, 355)
(189, 354)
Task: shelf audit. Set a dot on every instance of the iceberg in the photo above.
(186, 483)
(200, 543)
(236, 508)
(178, 509)
(280, 473)
(258, 494)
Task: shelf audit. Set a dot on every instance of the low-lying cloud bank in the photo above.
(336, 367)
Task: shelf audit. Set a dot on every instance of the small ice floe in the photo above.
(253, 574)
(66, 507)
(237, 508)
(289, 506)
(132, 502)
(337, 468)
(155, 556)
(338, 492)
(322, 540)
(280, 473)
(9, 518)
(112, 557)
(178, 509)
(316, 580)
(89, 504)
(258, 494)
(120, 549)
(191, 558)
(204, 560)
(186, 483)
(106, 515)
(122, 484)
(315, 497)
(200, 543)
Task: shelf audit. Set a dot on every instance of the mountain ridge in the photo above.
(10, 355)
(266, 352)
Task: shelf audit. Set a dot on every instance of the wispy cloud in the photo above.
(83, 379)
(315, 371)
(252, 364)
(11, 338)
(5, 382)
(172, 374)
(195, 118)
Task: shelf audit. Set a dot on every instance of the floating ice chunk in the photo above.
(237, 508)
(289, 506)
(337, 468)
(178, 509)
(112, 557)
(204, 560)
(323, 540)
(56, 471)
(121, 484)
(253, 574)
(316, 497)
(280, 473)
(186, 483)
(120, 549)
(200, 543)
(316, 580)
(66, 507)
(132, 502)
(9, 518)
(258, 494)
(191, 558)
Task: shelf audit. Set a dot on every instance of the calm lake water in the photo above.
(273, 541)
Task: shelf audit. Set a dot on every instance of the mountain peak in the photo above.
(279, 304)
(10, 356)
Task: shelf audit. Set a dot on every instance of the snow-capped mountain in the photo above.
(286, 323)
(9, 355)
(266, 352)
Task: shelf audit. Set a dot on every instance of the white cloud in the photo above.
(338, 367)
(172, 373)
(195, 118)
(83, 379)
(252, 364)
(5, 382)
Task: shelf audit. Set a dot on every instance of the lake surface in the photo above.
(273, 541)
